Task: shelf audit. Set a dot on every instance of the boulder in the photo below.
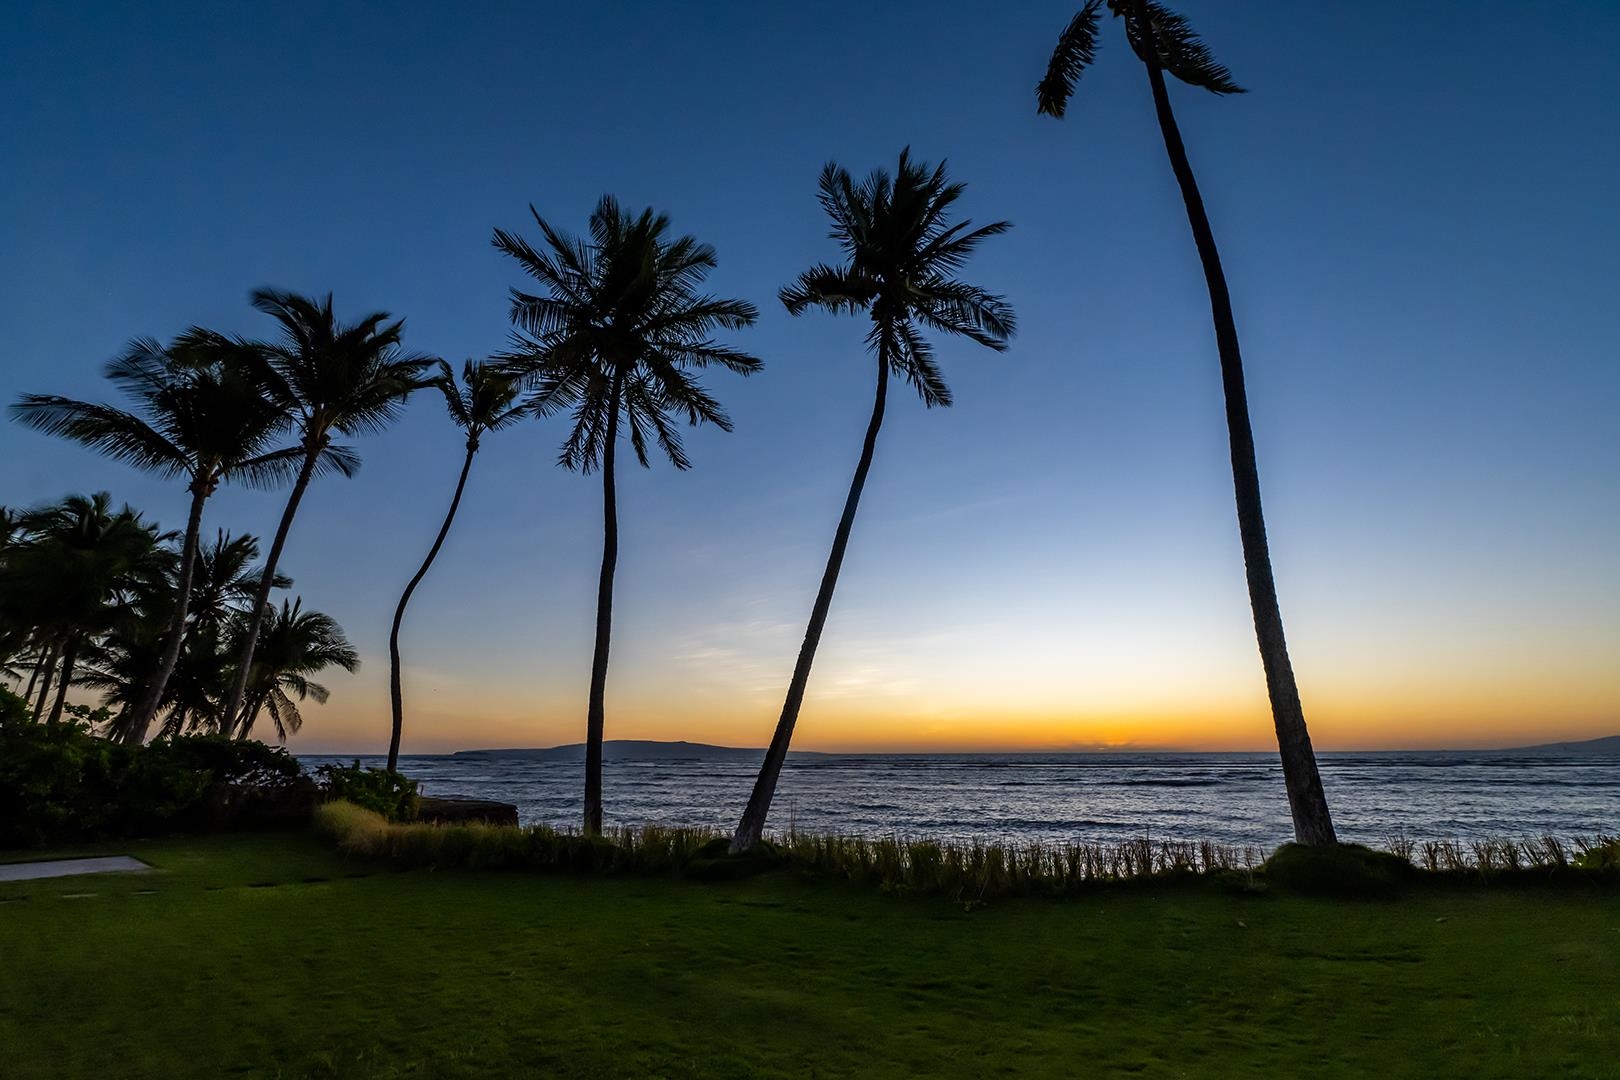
(455, 810)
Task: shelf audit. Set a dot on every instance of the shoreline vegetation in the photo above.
(970, 872)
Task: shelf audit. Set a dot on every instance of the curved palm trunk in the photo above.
(250, 714)
(595, 711)
(141, 722)
(394, 692)
(261, 597)
(70, 653)
(1306, 800)
(45, 684)
(45, 658)
(752, 826)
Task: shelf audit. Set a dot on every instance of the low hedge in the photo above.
(60, 784)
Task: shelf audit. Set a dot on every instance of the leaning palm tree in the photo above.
(294, 645)
(483, 402)
(329, 379)
(198, 416)
(1164, 41)
(615, 338)
(900, 254)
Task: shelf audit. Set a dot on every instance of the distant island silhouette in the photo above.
(660, 750)
(1608, 744)
(632, 750)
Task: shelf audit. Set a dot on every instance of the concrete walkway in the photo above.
(109, 864)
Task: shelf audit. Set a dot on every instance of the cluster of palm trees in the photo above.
(88, 597)
(613, 340)
(210, 408)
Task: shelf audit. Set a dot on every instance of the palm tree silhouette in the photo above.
(79, 573)
(1164, 41)
(615, 338)
(293, 645)
(327, 378)
(900, 255)
(483, 402)
(226, 580)
(199, 416)
(223, 582)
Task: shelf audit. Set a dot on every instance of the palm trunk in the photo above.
(1307, 802)
(45, 684)
(595, 713)
(261, 597)
(394, 692)
(250, 714)
(70, 652)
(141, 722)
(38, 669)
(752, 826)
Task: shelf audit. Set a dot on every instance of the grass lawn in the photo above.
(272, 956)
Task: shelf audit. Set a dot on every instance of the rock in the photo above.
(454, 810)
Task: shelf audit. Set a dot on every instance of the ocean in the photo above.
(1057, 798)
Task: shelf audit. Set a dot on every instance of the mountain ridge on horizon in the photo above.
(671, 749)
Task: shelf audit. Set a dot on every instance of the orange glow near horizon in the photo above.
(1390, 716)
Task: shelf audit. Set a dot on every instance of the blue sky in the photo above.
(1417, 217)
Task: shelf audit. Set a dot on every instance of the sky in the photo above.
(1416, 214)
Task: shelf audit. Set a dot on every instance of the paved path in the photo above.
(29, 871)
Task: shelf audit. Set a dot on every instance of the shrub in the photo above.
(59, 784)
(378, 790)
(1337, 870)
(13, 709)
(1602, 854)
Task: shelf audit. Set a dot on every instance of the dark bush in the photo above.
(378, 790)
(1602, 855)
(1337, 870)
(60, 784)
(714, 861)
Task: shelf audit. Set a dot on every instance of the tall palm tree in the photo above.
(198, 415)
(329, 379)
(900, 254)
(615, 338)
(293, 645)
(483, 402)
(1164, 41)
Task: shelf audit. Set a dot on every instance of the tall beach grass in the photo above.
(966, 872)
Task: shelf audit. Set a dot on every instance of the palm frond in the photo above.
(912, 358)
(1076, 50)
(839, 290)
(1179, 49)
(115, 433)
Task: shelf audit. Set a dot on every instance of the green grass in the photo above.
(275, 956)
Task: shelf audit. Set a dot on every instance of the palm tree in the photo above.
(199, 416)
(1164, 41)
(900, 255)
(616, 337)
(224, 580)
(483, 402)
(329, 379)
(80, 572)
(293, 645)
